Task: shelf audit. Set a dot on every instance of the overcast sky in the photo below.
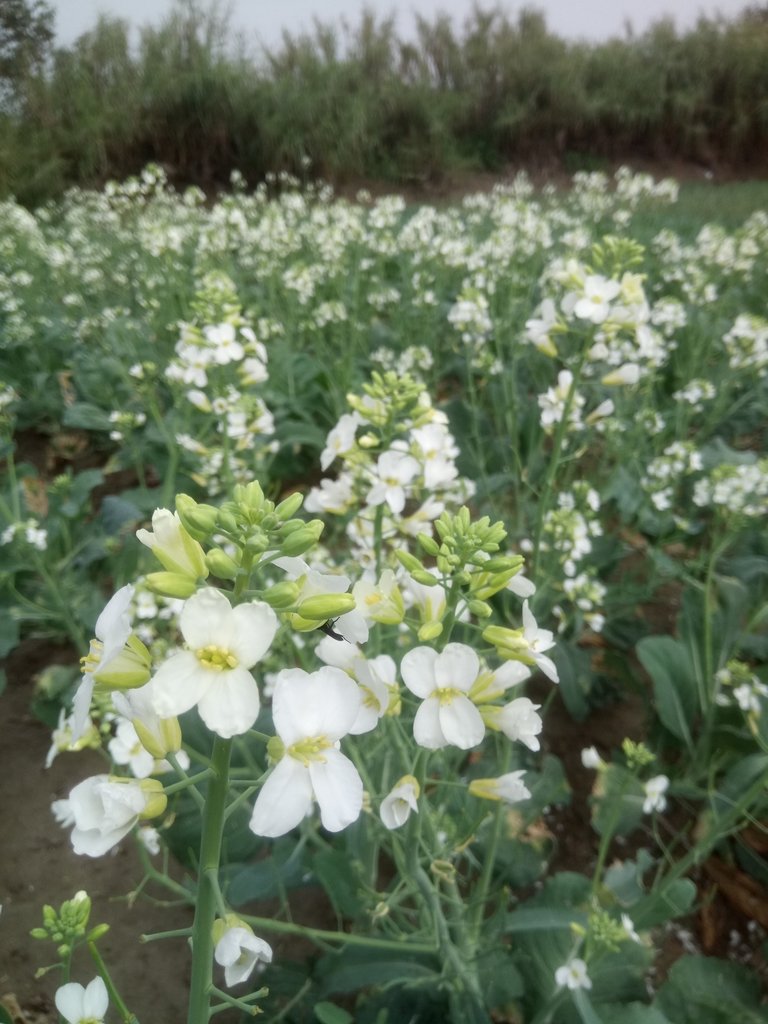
(264, 20)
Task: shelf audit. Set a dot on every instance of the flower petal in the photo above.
(96, 1000)
(418, 670)
(338, 788)
(179, 684)
(69, 1002)
(457, 666)
(323, 703)
(256, 625)
(207, 618)
(283, 801)
(426, 725)
(461, 723)
(230, 706)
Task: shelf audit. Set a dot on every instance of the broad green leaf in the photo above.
(339, 879)
(583, 1004)
(351, 970)
(704, 989)
(665, 904)
(667, 662)
(329, 1013)
(619, 809)
(631, 1013)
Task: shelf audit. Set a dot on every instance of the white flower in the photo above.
(62, 812)
(238, 951)
(590, 758)
(518, 721)
(655, 788)
(78, 1005)
(149, 838)
(173, 547)
(394, 471)
(539, 640)
(508, 788)
(627, 373)
(311, 713)
(225, 643)
(113, 627)
(125, 748)
(573, 975)
(397, 805)
(446, 715)
(594, 305)
(341, 438)
(104, 811)
(629, 927)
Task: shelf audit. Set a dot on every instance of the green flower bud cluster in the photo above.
(605, 933)
(254, 525)
(392, 404)
(69, 924)
(637, 754)
(216, 300)
(467, 553)
(611, 256)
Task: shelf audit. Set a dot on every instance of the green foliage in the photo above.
(351, 101)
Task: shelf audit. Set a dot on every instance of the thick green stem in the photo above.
(205, 910)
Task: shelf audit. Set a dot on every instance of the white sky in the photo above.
(264, 20)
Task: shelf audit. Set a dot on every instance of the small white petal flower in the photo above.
(238, 951)
(573, 975)
(113, 627)
(446, 715)
(508, 788)
(104, 811)
(311, 712)
(224, 644)
(518, 720)
(629, 927)
(397, 805)
(655, 788)
(590, 758)
(78, 1005)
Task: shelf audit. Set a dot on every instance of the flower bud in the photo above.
(430, 631)
(162, 739)
(171, 584)
(198, 520)
(282, 595)
(480, 608)
(322, 607)
(425, 578)
(172, 546)
(428, 543)
(288, 508)
(227, 522)
(96, 933)
(128, 669)
(156, 800)
(408, 561)
(251, 495)
(302, 540)
(221, 565)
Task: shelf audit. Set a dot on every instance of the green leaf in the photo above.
(631, 1013)
(330, 1013)
(619, 809)
(9, 634)
(5, 1017)
(353, 969)
(86, 417)
(339, 879)
(265, 878)
(3, 680)
(663, 905)
(573, 667)
(668, 664)
(701, 989)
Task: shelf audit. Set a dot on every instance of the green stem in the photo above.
(554, 461)
(205, 909)
(266, 924)
(125, 1014)
(187, 783)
